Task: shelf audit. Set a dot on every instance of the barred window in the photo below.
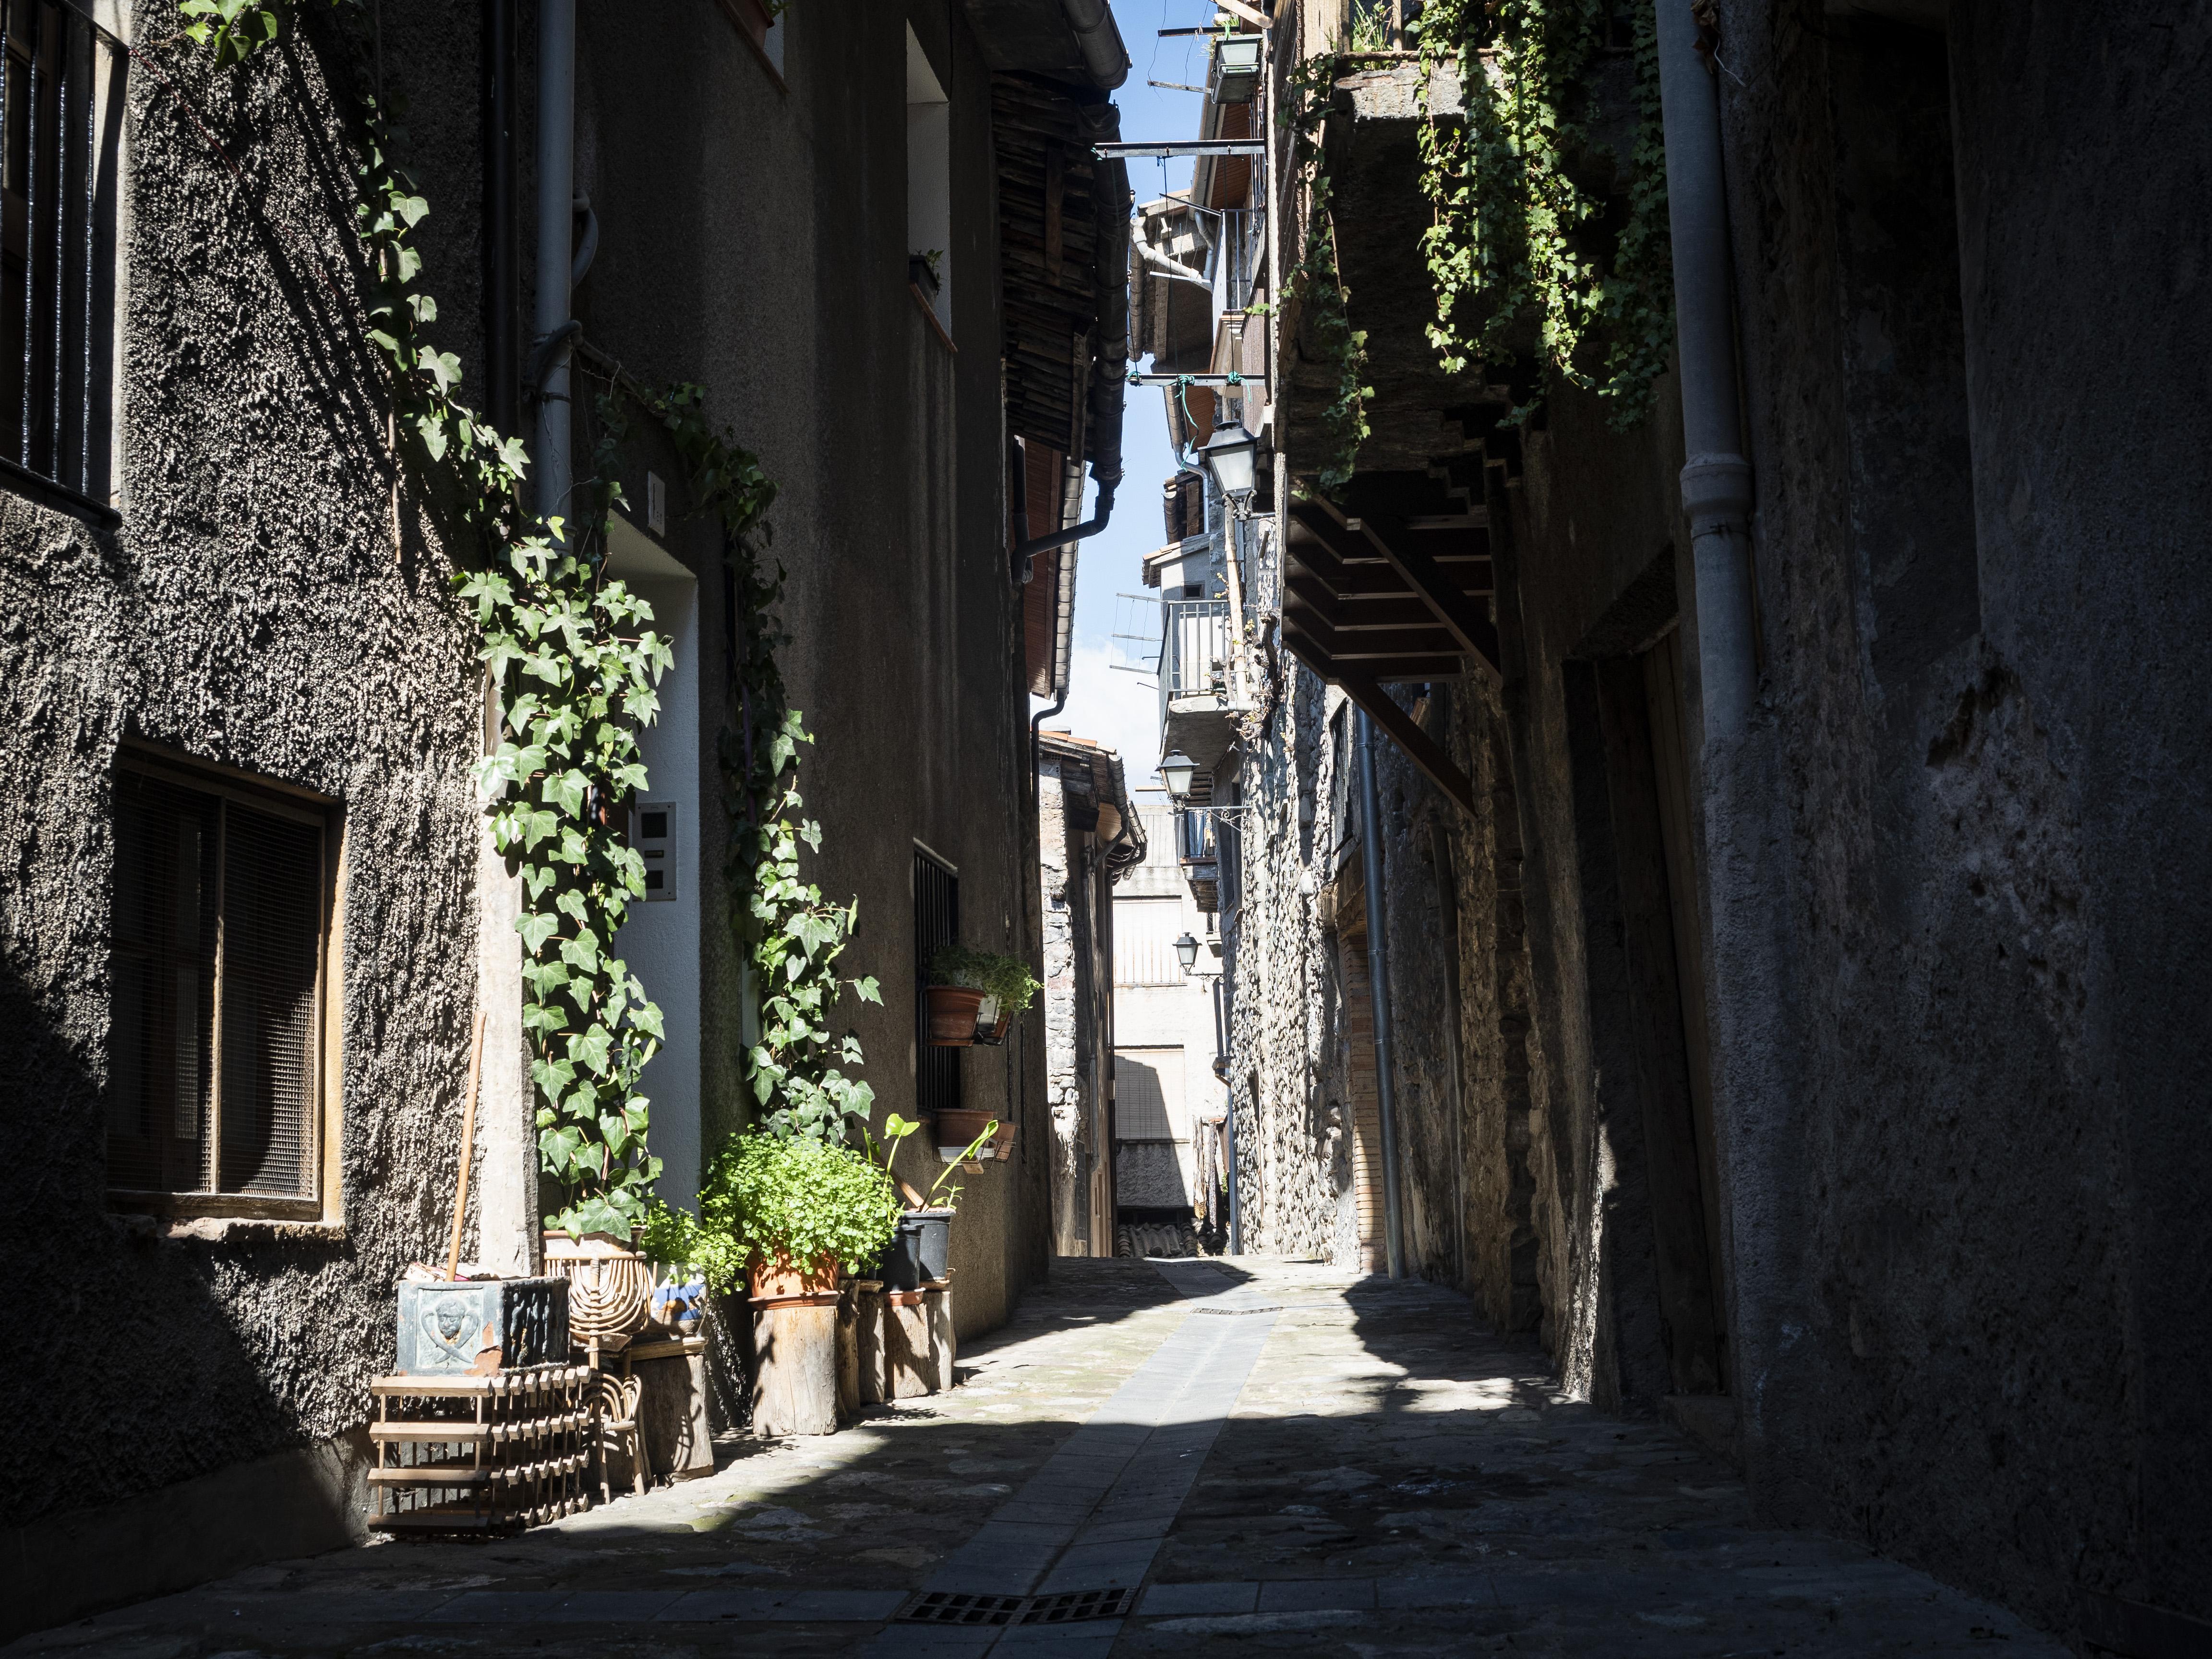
(936, 924)
(60, 116)
(220, 932)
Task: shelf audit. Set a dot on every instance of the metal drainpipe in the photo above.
(1716, 494)
(1378, 991)
(1229, 1152)
(556, 195)
(501, 248)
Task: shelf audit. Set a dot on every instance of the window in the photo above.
(1145, 932)
(57, 153)
(1148, 1094)
(220, 930)
(928, 183)
(936, 924)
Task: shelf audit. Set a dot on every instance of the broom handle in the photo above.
(468, 1148)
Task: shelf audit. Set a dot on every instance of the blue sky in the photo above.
(1116, 708)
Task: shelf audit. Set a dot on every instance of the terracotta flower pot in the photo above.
(1003, 1142)
(993, 1021)
(780, 1277)
(956, 1130)
(952, 1016)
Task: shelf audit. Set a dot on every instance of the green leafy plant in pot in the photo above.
(921, 1252)
(781, 1215)
(1006, 986)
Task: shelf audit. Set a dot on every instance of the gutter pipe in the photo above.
(1378, 992)
(554, 330)
(1717, 486)
(502, 254)
(1104, 56)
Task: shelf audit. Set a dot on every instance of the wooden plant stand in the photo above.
(479, 1454)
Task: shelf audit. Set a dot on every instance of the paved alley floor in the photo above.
(1180, 1457)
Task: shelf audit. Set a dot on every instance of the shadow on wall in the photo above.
(119, 1286)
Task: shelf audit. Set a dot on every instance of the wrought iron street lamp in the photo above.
(1177, 771)
(1231, 456)
(1186, 952)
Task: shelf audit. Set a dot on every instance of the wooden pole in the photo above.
(468, 1148)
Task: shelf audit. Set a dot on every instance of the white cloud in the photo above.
(1120, 710)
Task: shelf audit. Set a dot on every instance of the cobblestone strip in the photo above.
(1095, 1515)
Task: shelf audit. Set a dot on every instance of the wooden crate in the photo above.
(479, 1454)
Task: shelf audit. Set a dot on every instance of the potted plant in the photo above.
(1010, 990)
(922, 1246)
(955, 993)
(783, 1216)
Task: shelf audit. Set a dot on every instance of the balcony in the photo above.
(1198, 691)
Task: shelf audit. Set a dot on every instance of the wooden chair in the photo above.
(614, 1415)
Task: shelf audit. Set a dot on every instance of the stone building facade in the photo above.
(229, 622)
(1814, 1061)
(1088, 837)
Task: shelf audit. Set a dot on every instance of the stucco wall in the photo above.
(254, 612)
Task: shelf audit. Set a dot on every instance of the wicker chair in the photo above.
(614, 1415)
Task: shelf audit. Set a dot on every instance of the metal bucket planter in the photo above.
(952, 1015)
(920, 1252)
(993, 1020)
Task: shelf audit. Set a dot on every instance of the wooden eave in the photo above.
(1388, 599)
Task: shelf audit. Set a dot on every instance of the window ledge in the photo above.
(60, 497)
(218, 1229)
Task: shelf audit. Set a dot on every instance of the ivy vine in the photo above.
(789, 932)
(1316, 278)
(1515, 236)
(576, 661)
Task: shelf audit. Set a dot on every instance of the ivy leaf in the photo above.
(536, 929)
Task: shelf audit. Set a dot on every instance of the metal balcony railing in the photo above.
(1194, 649)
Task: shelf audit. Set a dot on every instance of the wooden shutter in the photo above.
(215, 1042)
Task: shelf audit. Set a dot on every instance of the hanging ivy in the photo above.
(577, 662)
(1316, 278)
(789, 932)
(1514, 237)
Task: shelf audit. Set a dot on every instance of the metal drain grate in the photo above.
(962, 1609)
(1071, 1605)
(1265, 1306)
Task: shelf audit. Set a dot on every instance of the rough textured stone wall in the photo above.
(1984, 612)
(254, 612)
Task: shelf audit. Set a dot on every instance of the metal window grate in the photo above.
(214, 1079)
(60, 119)
(966, 1609)
(936, 924)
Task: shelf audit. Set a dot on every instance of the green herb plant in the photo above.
(1005, 979)
(771, 1198)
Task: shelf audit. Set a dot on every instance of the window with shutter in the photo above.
(59, 121)
(220, 913)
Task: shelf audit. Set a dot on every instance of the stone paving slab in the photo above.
(1285, 1457)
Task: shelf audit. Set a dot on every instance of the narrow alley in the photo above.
(1271, 1454)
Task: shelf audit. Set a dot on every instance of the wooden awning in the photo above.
(1373, 599)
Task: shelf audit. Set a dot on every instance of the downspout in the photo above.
(1716, 477)
(1753, 998)
(502, 252)
(1228, 1151)
(555, 330)
(1378, 992)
